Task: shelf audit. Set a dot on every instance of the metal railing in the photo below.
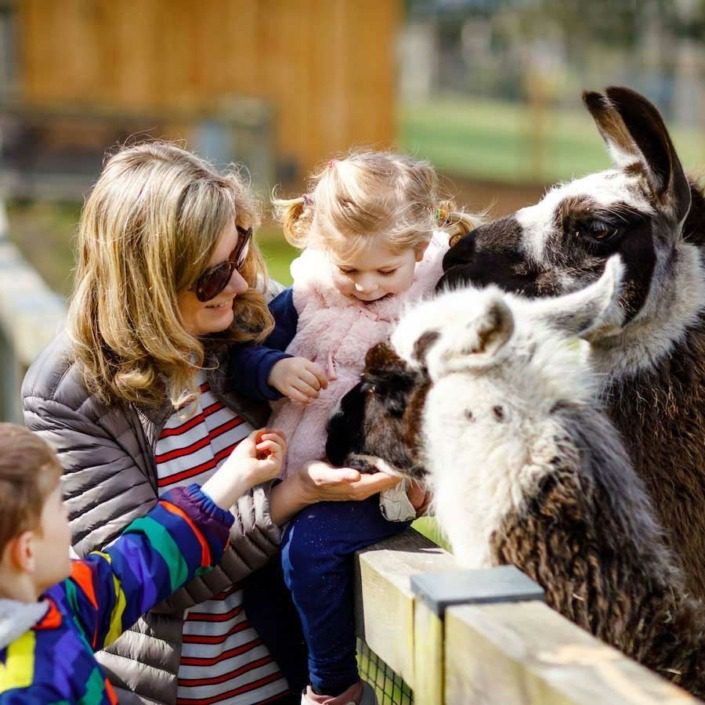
(31, 314)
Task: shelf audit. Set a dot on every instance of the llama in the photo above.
(654, 367)
(526, 468)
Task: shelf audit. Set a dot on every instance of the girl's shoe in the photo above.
(361, 693)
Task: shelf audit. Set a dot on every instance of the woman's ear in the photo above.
(420, 250)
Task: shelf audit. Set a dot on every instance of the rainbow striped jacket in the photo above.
(52, 662)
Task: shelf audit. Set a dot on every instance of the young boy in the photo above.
(50, 629)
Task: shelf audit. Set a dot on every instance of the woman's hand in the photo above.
(318, 481)
(324, 483)
(255, 459)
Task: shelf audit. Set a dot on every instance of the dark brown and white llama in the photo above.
(526, 468)
(645, 210)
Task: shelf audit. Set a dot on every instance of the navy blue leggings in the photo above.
(317, 557)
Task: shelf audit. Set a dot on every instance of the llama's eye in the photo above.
(597, 231)
(371, 389)
(601, 230)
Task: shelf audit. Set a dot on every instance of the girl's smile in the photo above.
(376, 271)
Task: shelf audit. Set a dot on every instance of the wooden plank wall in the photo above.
(327, 66)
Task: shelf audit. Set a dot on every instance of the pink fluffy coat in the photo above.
(336, 332)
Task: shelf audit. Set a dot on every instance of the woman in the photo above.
(135, 400)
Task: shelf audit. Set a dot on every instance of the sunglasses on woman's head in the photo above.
(216, 278)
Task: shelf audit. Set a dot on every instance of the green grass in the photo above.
(277, 253)
(510, 143)
(428, 527)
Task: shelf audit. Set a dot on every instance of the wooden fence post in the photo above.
(437, 591)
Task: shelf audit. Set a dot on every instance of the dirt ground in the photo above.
(499, 199)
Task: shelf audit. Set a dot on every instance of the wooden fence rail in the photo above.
(487, 637)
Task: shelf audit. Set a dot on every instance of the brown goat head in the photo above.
(380, 416)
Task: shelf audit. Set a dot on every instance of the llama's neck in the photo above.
(672, 311)
(669, 315)
(587, 535)
(655, 390)
(661, 415)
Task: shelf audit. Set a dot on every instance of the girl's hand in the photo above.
(255, 459)
(298, 379)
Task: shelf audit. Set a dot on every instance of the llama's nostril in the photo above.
(498, 412)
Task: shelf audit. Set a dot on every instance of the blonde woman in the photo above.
(374, 233)
(134, 399)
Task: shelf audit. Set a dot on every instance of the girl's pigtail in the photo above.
(295, 216)
(455, 222)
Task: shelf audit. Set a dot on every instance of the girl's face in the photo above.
(201, 318)
(376, 272)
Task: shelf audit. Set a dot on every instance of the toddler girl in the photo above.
(374, 235)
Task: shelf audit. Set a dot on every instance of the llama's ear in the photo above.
(591, 312)
(475, 342)
(417, 331)
(637, 139)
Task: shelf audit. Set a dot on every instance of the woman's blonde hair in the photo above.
(368, 194)
(147, 231)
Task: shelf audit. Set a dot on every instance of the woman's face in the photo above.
(201, 318)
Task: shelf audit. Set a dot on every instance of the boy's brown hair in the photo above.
(29, 472)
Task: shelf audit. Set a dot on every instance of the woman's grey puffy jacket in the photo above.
(107, 453)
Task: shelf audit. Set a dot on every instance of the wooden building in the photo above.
(325, 69)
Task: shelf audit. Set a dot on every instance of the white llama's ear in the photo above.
(591, 312)
(474, 342)
(418, 329)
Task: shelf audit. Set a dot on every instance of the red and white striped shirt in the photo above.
(222, 658)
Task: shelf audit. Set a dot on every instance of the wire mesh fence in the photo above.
(390, 687)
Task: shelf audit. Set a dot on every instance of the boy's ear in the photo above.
(421, 250)
(19, 552)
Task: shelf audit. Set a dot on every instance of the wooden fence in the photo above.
(487, 637)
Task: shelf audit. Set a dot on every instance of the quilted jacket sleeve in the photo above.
(107, 483)
(104, 487)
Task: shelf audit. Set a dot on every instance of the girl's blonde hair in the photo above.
(147, 231)
(367, 194)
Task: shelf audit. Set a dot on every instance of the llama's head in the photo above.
(500, 352)
(511, 381)
(511, 350)
(640, 210)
